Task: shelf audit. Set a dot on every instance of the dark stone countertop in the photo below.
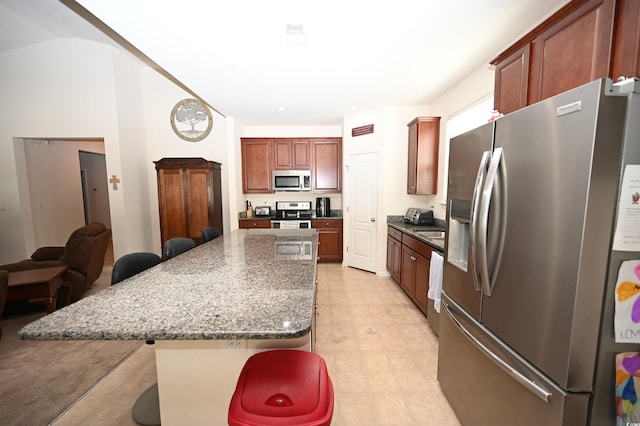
(411, 230)
(334, 214)
(237, 286)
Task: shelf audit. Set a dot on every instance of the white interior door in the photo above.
(364, 178)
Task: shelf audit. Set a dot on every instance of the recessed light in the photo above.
(354, 108)
(416, 67)
(241, 67)
(282, 108)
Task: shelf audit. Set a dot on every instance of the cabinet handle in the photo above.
(373, 219)
(413, 258)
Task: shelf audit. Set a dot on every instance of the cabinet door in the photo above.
(422, 166)
(256, 166)
(575, 51)
(626, 56)
(327, 165)
(512, 82)
(189, 197)
(329, 239)
(412, 165)
(408, 274)
(394, 258)
(172, 204)
(199, 202)
(293, 154)
(423, 266)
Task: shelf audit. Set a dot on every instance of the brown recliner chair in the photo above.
(84, 254)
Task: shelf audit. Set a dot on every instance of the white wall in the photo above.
(53, 89)
(71, 88)
(74, 88)
(478, 85)
(390, 139)
(159, 99)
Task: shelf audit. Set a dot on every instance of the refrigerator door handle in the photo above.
(475, 208)
(483, 221)
(530, 385)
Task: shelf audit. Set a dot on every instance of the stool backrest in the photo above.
(132, 264)
(175, 246)
(209, 233)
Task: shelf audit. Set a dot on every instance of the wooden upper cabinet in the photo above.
(583, 41)
(575, 51)
(626, 54)
(512, 81)
(261, 156)
(422, 168)
(326, 157)
(256, 165)
(291, 154)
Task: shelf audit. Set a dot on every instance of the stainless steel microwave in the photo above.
(291, 180)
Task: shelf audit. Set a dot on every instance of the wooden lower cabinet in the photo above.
(255, 223)
(394, 253)
(409, 263)
(329, 239)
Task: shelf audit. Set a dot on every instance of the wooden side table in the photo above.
(36, 286)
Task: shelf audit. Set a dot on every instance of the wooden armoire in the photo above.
(189, 197)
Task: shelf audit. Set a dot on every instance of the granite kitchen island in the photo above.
(208, 310)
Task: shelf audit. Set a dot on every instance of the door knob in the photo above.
(373, 219)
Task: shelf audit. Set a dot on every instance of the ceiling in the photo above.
(318, 61)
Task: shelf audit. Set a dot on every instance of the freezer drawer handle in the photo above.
(532, 386)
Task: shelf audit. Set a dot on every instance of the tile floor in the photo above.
(380, 351)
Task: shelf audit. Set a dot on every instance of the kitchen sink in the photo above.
(431, 235)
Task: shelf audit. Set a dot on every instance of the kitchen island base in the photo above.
(197, 378)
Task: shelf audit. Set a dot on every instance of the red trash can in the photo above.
(282, 387)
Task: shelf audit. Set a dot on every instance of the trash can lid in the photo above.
(290, 385)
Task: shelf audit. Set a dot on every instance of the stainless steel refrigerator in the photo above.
(530, 267)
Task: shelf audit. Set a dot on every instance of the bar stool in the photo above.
(283, 387)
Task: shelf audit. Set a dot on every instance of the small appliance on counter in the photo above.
(262, 211)
(419, 216)
(323, 207)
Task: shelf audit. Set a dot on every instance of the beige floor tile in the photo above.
(390, 408)
(380, 351)
(354, 409)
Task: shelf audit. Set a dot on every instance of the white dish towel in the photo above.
(435, 280)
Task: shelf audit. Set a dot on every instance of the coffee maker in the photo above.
(323, 208)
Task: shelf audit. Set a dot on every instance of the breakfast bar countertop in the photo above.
(234, 287)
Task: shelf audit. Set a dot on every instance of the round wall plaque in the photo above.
(191, 120)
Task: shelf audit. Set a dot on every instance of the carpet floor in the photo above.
(40, 379)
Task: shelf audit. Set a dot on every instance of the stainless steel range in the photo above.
(292, 215)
